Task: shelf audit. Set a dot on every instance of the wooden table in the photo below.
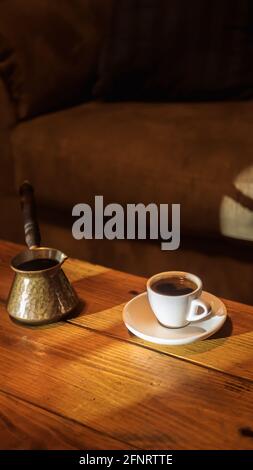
(86, 383)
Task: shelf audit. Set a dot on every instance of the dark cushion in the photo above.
(49, 51)
(198, 155)
(178, 49)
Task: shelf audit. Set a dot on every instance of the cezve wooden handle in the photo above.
(31, 227)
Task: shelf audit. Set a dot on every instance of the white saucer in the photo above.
(141, 321)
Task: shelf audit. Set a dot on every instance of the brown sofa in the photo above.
(73, 147)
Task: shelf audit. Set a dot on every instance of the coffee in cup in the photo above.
(174, 297)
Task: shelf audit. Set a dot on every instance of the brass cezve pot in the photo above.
(38, 296)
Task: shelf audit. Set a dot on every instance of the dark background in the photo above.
(138, 101)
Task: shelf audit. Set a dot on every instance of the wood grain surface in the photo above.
(91, 384)
(25, 426)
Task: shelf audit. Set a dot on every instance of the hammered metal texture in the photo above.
(41, 297)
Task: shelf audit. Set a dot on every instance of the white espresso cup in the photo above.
(176, 311)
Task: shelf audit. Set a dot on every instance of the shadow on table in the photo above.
(225, 331)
